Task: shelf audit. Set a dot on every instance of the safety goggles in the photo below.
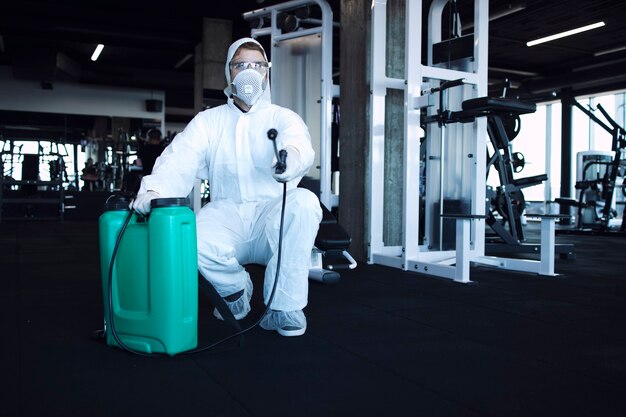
(260, 66)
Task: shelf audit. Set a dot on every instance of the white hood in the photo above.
(266, 97)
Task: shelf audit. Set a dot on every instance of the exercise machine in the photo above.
(330, 255)
(598, 181)
(446, 187)
(506, 203)
(300, 33)
(37, 192)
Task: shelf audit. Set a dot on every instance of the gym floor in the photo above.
(381, 342)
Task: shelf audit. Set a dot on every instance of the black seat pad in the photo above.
(330, 234)
(486, 105)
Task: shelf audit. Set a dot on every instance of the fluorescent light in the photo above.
(610, 51)
(182, 61)
(598, 65)
(564, 34)
(96, 53)
(513, 71)
(497, 15)
(508, 11)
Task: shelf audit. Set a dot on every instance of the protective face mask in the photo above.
(248, 86)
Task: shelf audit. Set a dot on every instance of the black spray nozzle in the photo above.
(281, 157)
(271, 134)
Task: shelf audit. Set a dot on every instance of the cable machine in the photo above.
(300, 33)
(301, 76)
(601, 174)
(443, 176)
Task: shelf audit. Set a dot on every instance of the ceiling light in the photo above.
(494, 15)
(507, 11)
(97, 51)
(513, 71)
(564, 34)
(598, 65)
(182, 61)
(610, 51)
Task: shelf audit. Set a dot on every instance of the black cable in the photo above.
(219, 342)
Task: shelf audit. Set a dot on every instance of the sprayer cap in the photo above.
(170, 202)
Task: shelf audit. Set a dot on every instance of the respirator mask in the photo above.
(248, 86)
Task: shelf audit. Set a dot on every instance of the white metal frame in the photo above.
(459, 154)
(327, 89)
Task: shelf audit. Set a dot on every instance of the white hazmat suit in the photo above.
(240, 224)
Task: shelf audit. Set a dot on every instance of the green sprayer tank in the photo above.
(154, 278)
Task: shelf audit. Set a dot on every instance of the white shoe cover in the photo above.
(241, 306)
(286, 323)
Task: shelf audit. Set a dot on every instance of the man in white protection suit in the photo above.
(229, 146)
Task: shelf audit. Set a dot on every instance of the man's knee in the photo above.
(306, 203)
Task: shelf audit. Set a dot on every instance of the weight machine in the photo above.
(300, 33)
(112, 169)
(506, 203)
(32, 189)
(449, 182)
(301, 75)
(596, 194)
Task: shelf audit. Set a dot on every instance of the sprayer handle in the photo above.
(281, 163)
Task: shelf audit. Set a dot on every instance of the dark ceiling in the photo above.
(583, 62)
(145, 40)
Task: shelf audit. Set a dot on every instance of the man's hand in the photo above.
(141, 203)
(292, 163)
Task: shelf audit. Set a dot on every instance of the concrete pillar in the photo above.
(394, 126)
(355, 114)
(210, 58)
